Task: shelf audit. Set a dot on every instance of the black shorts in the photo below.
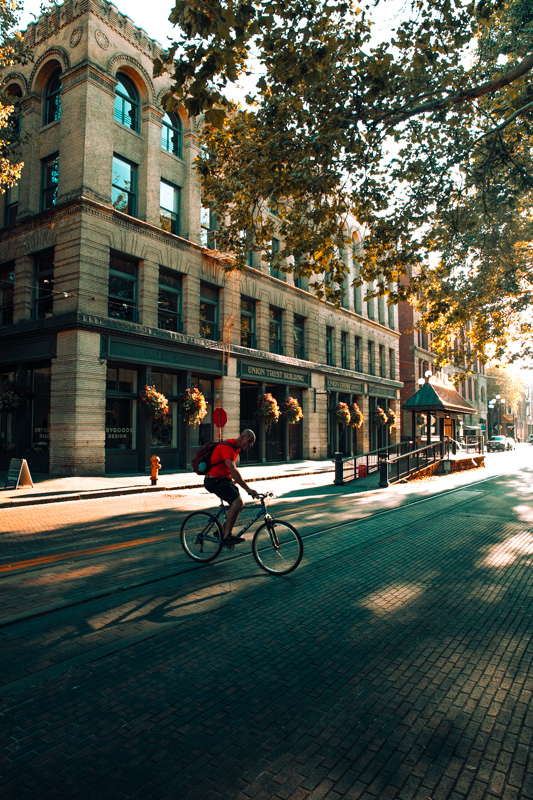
(222, 487)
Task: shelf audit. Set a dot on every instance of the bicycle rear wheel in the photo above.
(277, 547)
(201, 536)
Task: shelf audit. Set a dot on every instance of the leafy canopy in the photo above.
(424, 139)
(11, 51)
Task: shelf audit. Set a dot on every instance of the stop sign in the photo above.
(220, 417)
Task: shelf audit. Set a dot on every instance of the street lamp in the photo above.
(497, 403)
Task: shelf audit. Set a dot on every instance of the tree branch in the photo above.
(525, 66)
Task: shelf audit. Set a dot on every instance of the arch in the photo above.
(136, 73)
(53, 59)
(15, 79)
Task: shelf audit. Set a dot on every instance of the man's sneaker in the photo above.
(231, 541)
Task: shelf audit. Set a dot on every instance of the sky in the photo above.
(151, 15)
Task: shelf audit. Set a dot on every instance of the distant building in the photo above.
(108, 281)
(417, 361)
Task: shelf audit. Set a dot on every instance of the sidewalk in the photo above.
(47, 489)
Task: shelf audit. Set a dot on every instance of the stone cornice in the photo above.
(62, 15)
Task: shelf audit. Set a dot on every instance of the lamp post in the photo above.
(496, 405)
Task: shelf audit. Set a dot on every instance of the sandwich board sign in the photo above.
(18, 474)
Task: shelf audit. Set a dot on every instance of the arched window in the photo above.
(171, 134)
(52, 99)
(14, 96)
(127, 103)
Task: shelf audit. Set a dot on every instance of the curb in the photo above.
(97, 493)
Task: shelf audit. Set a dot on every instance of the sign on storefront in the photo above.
(273, 374)
(334, 385)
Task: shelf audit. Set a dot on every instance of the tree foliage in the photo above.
(425, 139)
(11, 51)
(508, 383)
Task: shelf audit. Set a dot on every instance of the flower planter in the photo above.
(291, 411)
(153, 403)
(193, 406)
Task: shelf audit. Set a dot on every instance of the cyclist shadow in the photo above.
(201, 590)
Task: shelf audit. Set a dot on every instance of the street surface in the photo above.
(396, 662)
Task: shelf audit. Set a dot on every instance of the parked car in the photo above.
(511, 444)
(530, 438)
(497, 444)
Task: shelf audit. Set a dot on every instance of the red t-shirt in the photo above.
(223, 451)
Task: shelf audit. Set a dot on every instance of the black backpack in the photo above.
(201, 462)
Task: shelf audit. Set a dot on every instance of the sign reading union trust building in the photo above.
(273, 374)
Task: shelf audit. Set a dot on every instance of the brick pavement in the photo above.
(395, 663)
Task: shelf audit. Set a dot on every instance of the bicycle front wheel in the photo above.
(201, 536)
(277, 547)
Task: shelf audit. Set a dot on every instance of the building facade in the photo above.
(417, 363)
(108, 282)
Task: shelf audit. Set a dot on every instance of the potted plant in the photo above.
(13, 397)
(193, 406)
(153, 403)
(342, 412)
(380, 416)
(391, 418)
(291, 411)
(268, 409)
(357, 417)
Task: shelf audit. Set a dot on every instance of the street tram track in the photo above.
(161, 539)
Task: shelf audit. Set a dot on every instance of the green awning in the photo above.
(438, 398)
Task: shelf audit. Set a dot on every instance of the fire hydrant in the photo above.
(156, 465)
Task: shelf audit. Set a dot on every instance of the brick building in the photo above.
(417, 360)
(107, 282)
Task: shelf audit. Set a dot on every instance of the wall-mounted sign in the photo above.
(273, 374)
(340, 385)
(382, 391)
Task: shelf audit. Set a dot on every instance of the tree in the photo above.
(425, 139)
(507, 383)
(11, 50)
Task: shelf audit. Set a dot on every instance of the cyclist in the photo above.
(223, 477)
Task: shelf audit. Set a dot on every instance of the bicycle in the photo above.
(277, 546)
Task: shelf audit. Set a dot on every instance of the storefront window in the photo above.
(120, 414)
(165, 431)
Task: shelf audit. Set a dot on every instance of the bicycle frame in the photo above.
(262, 512)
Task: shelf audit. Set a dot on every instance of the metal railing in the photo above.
(349, 468)
(398, 461)
(400, 467)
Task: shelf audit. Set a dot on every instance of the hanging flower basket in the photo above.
(357, 417)
(420, 420)
(391, 418)
(380, 416)
(13, 397)
(291, 411)
(153, 403)
(268, 409)
(193, 406)
(342, 412)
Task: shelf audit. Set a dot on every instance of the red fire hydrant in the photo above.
(156, 465)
